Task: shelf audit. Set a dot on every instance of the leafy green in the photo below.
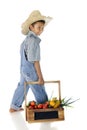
(66, 102)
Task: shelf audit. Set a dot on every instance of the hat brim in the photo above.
(30, 20)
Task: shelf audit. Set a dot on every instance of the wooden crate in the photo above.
(44, 115)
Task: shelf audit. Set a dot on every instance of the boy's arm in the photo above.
(39, 73)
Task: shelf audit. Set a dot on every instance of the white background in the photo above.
(63, 57)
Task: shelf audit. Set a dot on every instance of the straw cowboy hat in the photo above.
(33, 17)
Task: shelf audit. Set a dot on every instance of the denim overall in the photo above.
(28, 73)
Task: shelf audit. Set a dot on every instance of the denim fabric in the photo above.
(28, 73)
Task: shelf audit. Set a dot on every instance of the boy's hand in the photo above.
(41, 81)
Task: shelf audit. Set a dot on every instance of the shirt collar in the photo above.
(32, 33)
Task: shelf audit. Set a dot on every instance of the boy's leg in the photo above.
(18, 97)
(39, 93)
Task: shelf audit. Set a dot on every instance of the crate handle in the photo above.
(35, 82)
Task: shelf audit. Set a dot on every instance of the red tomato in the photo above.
(40, 106)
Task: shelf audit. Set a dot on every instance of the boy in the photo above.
(30, 61)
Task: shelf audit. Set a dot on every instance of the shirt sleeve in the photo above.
(33, 50)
